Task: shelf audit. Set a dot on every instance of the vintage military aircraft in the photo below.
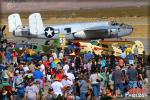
(76, 31)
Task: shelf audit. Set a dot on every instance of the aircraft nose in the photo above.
(125, 30)
(129, 29)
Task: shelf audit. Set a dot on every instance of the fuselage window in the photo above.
(68, 30)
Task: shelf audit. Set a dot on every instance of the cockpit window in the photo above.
(68, 30)
(113, 23)
(19, 27)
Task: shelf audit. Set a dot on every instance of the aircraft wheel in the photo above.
(46, 42)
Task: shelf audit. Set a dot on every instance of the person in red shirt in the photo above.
(60, 75)
(14, 55)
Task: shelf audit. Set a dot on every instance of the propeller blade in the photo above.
(3, 28)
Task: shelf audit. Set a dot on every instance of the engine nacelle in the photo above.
(80, 35)
(22, 31)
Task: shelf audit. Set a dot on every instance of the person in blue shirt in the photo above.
(2, 66)
(123, 55)
(38, 57)
(88, 56)
(38, 75)
(130, 58)
(24, 57)
(8, 56)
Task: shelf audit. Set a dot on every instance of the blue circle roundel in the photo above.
(49, 32)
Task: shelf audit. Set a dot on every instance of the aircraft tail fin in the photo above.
(36, 24)
(14, 21)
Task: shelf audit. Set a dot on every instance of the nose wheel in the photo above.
(48, 42)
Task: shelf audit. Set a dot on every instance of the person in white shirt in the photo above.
(26, 68)
(95, 81)
(71, 79)
(42, 67)
(61, 55)
(89, 65)
(66, 84)
(54, 55)
(57, 86)
(70, 76)
(66, 67)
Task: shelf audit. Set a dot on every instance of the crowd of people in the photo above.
(87, 76)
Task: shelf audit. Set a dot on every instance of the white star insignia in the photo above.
(49, 32)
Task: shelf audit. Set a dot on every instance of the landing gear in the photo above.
(47, 42)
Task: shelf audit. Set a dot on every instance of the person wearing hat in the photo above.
(66, 84)
(50, 94)
(18, 84)
(57, 86)
(31, 91)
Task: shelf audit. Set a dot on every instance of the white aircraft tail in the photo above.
(36, 24)
(14, 21)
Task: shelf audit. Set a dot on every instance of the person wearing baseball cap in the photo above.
(31, 91)
(67, 86)
(50, 94)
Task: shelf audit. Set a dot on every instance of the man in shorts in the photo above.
(132, 78)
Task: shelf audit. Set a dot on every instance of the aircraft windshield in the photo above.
(22, 27)
(113, 23)
(19, 27)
